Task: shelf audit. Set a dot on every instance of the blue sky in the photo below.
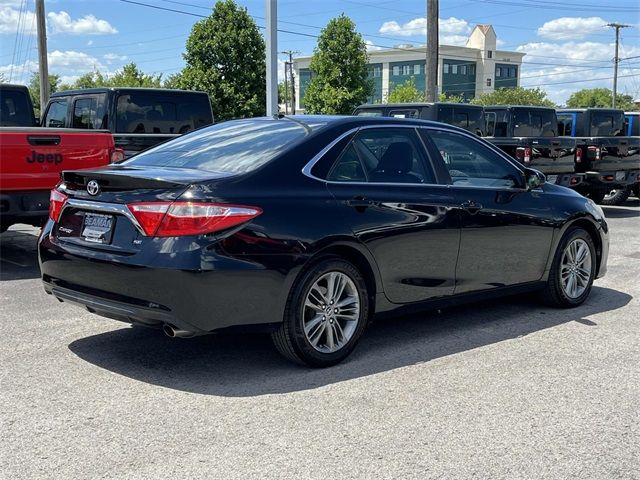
(567, 45)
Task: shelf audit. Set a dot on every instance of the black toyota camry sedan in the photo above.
(308, 226)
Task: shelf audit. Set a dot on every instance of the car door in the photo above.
(506, 229)
(387, 191)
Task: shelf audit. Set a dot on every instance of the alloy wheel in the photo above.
(331, 312)
(575, 268)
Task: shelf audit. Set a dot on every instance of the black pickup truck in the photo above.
(463, 115)
(529, 134)
(16, 108)
(138, 117)
(608, 157)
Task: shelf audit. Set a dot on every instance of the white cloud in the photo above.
(371, 47)
(72, 60)
(88, 25)
(10, 18)
(571, 28)
(588, 64)
(451, 27)
(114, 57)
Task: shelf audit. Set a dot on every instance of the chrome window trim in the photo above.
(306, 170)
(115, 208)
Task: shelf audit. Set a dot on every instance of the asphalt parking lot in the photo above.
(507, 389)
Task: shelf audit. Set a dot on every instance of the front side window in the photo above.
(90, 113)
(384, 155)
(490, 120)
(470, 163)
(57, 113)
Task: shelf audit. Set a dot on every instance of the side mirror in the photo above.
(534, 178)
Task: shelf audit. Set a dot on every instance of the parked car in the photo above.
(463, 115)
(609, 159)
(530, 135)
(632, 129)
(309, 225)
(16, 108)
(138, 117)
(32, 158)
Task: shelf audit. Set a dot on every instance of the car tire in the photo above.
(616, 197)
(568, 285)
(636, 190)
(597, 195)
(320, 329)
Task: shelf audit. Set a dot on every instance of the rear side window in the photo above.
(237, 146)
(146, 113)
(14, 109)
(490, 120)
(90, 113)
(369, 113)
(57, 113)
(406, 113)
(565, 124)
(382, 155)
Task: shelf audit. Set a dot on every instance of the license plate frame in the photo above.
(97, 228)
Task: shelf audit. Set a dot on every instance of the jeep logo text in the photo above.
(36, 157)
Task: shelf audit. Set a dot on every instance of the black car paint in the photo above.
(403, 238)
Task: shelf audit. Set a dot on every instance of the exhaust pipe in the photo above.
(173, 332)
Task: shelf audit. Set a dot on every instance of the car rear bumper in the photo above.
(24, 206)
(612, 179)
(223, 292)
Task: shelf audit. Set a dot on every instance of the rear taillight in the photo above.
(57, 199)
(117, 155)
(594, 152)
(523, 154)
(578, 155)
(167, 219)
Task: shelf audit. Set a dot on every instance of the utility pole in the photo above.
(43, 65)
(431, 73)
(291, 53)
(286, 91)
(272, 57)
(616, 60)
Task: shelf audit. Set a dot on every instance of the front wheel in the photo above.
(326, 313)
(616, 197)
(573, 270)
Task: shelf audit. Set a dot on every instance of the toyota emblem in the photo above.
(93, 188)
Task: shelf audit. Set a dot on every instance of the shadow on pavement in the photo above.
(19, 253)
(622, 211)
(240, 366)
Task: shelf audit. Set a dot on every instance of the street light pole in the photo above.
(431, 73)
(272, 57)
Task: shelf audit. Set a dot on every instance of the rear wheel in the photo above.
(572, 271)
(326, 313)
(616, 197)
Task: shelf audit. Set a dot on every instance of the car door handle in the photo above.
(471, 206)
(360, 202)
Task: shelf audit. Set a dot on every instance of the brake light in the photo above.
(167, 219)
(117, 155)
(578, 155)
(594, 152)
(523, 154)
(57, 199)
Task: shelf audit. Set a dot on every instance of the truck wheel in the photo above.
(596, 195)
(636, 190)
(326, 313)
(616, 197)
(572, 271)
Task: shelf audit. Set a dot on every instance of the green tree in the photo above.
(450, 98)
(515, 96)
(406, 92)
(339, 65)
(131, 76)
(225, 58)
(599, 97)
(34, 90)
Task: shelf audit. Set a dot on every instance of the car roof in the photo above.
(504, 107)
(159, 91)
(590, 109)
(414, 104)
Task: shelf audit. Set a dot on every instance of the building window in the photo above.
(472, 69)
(406, 70)
(377, 72)
(498, 72)
(454, 69)
(488, 82)
(445, 67)
(463, 69)
(416, 69)
(515, 72)
(489, 54)
(396, 70)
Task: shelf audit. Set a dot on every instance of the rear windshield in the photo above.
(156, 113)
(534, 123)
(369, 113)
(607, 124)
(238, 146)
(14, 109)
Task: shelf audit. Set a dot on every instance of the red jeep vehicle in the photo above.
(32, 158)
